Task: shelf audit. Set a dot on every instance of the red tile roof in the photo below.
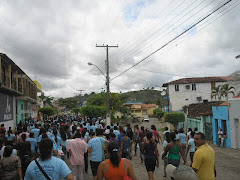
(224, 104)
(238, 96)
(198, 80)
(196, 110)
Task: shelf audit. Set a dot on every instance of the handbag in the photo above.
(41, 169)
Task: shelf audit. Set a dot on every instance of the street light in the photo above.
(108, 117)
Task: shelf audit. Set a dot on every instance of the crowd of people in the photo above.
(40, 149)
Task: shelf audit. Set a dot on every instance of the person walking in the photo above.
(48, 166)
(115, 168)
(191, 146)
(165, 159)
(156, 134)
(77, 148)
(183, 139)
(204, 159)
(10, 165)
(125, 146)
(24, 152)
(220, 135)
(95, 151)
(151, 155)
(174, 149)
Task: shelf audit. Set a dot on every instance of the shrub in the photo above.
(174, 118)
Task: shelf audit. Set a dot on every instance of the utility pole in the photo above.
(108, 116)
(80, 90)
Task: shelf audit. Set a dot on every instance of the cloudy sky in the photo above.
(53, 41)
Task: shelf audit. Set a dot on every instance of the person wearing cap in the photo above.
(115, 168)
(203, 159)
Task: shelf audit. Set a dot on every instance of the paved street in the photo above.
(227, 162)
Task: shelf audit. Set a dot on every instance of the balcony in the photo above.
(5, 80)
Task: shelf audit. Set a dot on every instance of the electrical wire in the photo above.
(172, 39)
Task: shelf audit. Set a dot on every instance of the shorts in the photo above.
(174, 162)
(150, 164)
(94, 167)
(191, 156)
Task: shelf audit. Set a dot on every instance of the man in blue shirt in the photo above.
(55, 168)
(36, 131)
(33, 143)
(95, 152)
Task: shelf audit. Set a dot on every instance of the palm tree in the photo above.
(216, 92)
(225, 90)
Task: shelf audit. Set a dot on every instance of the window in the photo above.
(176, 87)
(194, 87)
(213, 85)
(21, 106)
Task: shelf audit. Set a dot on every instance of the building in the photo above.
(234, 117)
(18, 93)
(143, 110)
(187, 91)
(199, 116)
(220, 120)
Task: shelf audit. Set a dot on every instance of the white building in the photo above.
(234, 117)
(188, 91)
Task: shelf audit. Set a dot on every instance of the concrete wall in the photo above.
(234, 117)
(184, 96)
(20, 116)
(220, 113)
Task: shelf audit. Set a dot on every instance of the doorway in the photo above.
(236, 138)
(216, 130)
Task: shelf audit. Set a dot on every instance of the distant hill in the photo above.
(147, 96)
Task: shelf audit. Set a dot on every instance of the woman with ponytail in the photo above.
(57, 139)
(115, 168)
(150, 152)
(174, 149)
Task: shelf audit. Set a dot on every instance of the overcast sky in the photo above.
(54, 40)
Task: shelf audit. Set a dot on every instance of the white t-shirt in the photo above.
(192, 145)
(189, 134)
(220, 134)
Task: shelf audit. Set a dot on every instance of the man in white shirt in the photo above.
(191, 146)
(220, 135)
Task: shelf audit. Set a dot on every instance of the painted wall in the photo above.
(7, 110)
(220, 113)
(184, 96)
(234, 118)
(20, 111)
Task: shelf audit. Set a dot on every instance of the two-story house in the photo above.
(186, 91)
(18, 93)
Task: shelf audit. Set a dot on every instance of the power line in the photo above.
(172, 39)
(156, 40)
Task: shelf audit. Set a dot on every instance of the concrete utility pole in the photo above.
(108, 116)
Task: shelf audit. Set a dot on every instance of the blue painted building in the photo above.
(220, 120)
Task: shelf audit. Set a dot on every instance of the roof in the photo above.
(198, 80)
(199, 109)
(224, 104)
(143, 106)
(132, 102)
(238, 96)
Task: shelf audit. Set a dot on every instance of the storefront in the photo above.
(7, 108)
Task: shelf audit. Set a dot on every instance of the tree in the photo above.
(174, 118)
(76, 110)
(69, 103)
(93, 111)
(101, 100)
(47, 100)
(226, 89)
(47, 111)
(158, 112)
(216, 92)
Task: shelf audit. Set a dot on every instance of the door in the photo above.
(236, 125)
(216, 130)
